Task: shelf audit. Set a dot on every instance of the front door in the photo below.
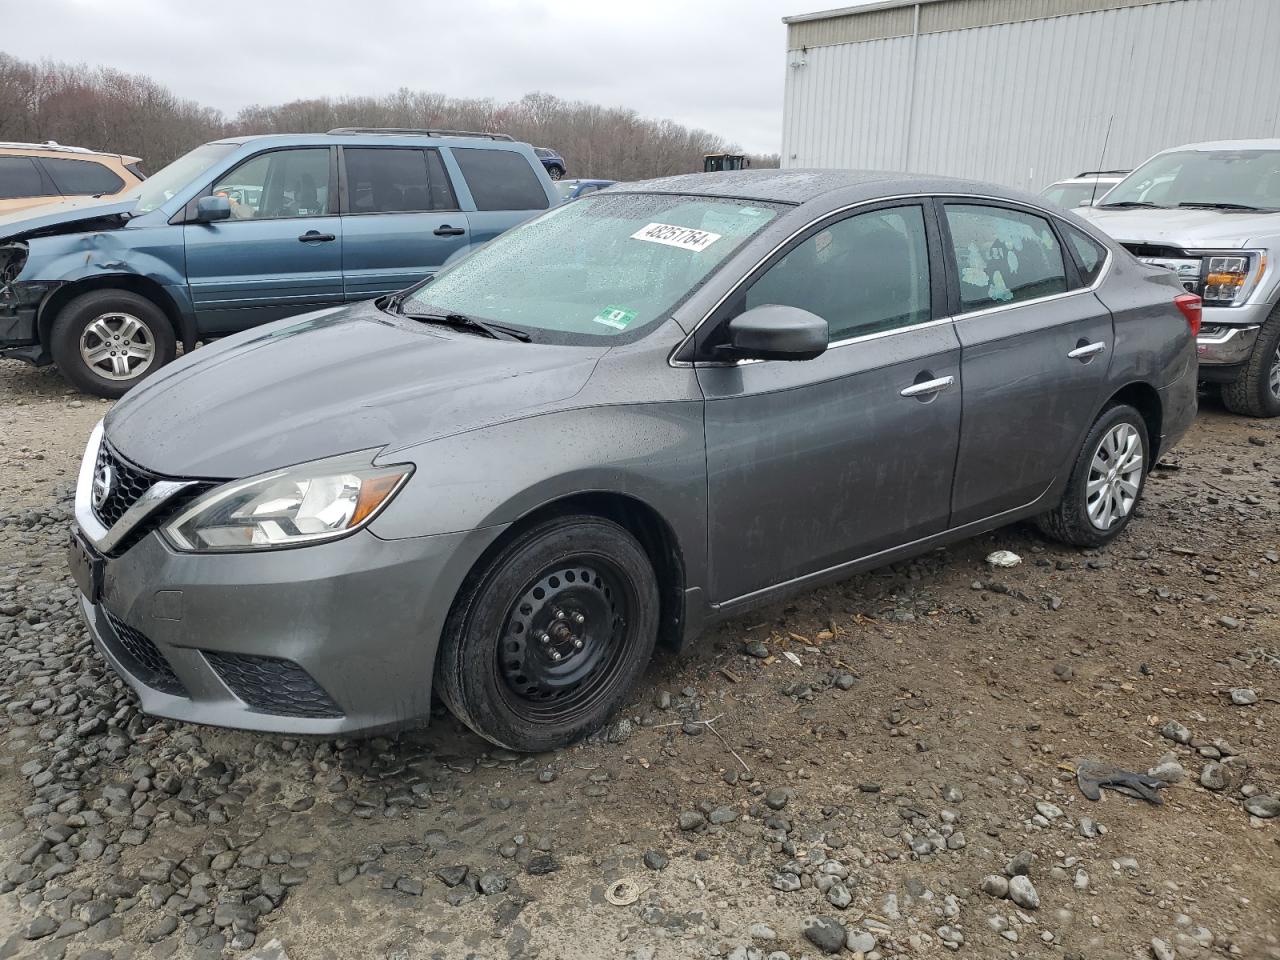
(815, 463)
(1036, 347)
(281, 251)
(401, 220)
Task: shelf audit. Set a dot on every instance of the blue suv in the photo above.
(246, 230)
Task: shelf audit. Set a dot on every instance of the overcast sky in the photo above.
(717, 64)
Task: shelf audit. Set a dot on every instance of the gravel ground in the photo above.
(881, 768)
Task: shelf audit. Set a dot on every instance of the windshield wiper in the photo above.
(495, 330)
(1217, 205)
(1130, 203)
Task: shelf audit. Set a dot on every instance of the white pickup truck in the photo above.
(1211, 213)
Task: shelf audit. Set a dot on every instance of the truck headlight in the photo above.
(309, 503)
(1229, 280)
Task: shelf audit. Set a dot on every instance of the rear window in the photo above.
(20, 177)
(81, 177)
(394, 180)
(501, 180)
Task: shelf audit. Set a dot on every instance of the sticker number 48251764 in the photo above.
(686, 238)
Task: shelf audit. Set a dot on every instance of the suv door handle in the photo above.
(315, 236)
(1087, 351)
(444, 230)
(928, 389)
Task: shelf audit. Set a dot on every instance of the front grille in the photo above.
(143, 659)
(128, 483)
(271, 685)
(1187, 266)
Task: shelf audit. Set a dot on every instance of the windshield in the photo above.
(565, 188)
(1073, 194)
(601, 267)
(178, 175)
(1248, 178)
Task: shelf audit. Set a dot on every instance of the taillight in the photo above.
(1191, 307)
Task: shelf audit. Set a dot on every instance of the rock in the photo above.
(1023, 893)
(1161, 950)
(1089, 828)
(40, 927)
(452, 876)
(1169, 770)
(691, 820)
(723, 815)
(825, 933)
(994, 885)
(1064, 672)
(1172, 730)
(491, 882)
(761, 931)
(859, 941)
(838, 896)
(1020, 865)
(540, 864)
(655, 859)
(1263, 807)
(1048, 810)
(272, 950)
(777, 798)
(755, 648)
(1213, 776)
(786, 882)
(1243, 697)
(410, 885)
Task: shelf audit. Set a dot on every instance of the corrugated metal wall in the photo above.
(1027, 103)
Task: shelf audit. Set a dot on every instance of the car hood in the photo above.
(330, 383)
(1187, 228)
(65, 216)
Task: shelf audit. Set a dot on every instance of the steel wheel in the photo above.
(117, 346)
(1115, 476)
(563, 639)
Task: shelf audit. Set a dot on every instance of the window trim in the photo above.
(121, 183)
(674, 358)
(345, 210)
(188, 212)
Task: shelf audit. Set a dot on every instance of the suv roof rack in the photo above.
(1103, 173)
(417, 132)
(47, 145)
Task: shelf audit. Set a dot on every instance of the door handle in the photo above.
(928, 388)
(1087, 351)
(444, 230)
(315, 236)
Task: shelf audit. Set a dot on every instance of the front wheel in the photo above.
(1256, 391)
(545, 643)
(105, 341)
(1106, 481)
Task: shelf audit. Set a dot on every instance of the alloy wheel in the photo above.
(117, 346)
(1274, 380)
(1115, 476)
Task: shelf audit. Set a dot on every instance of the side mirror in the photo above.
(209, 209)
(776, 332)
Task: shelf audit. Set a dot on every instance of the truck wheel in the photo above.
(545, 643)
(105, 341)
(1256, 391)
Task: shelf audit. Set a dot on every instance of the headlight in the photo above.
(1228, 280)
(311, 502)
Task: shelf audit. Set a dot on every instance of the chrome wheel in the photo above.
(1275, 374)
(1115, 476)
(117, 346)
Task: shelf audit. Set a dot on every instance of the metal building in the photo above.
(1024, 92)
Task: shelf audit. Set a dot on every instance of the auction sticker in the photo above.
(615, 317)
(686, 238)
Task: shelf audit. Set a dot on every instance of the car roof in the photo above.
(798, 185)
(1268, 143)
(1091, 178)
(366, 139)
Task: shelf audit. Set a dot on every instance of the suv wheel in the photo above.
(1105, 483)
(555, 172)
(1256, 391)
(105, 341)
(545, 643)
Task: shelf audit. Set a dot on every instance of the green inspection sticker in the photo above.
(616, 317)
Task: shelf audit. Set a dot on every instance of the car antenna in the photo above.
(1102, 157)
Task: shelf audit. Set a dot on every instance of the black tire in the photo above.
(496, 673)
(1070, 521)
(71, 327)
(1256, 391)
(555, 172)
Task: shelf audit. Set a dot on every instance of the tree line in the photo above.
(120, 112)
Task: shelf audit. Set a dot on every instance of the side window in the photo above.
(1003, 256)
(81, 177)
(282, 183)
(865, 274)
(1087, 252)
(398, 180)
(20, 177)
(501, 179)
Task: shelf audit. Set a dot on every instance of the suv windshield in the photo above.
(1248, 179)
(161, 187)
(600, 267)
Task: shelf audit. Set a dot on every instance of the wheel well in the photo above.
(142, 286)
(642, 522)
(1144, 398)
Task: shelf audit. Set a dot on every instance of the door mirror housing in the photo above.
(776, 332)
(210, 209)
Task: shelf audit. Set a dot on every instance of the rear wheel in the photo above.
(545, 643)
(1106, 481)
(105, 341)
(555, 172)
(1256, 391)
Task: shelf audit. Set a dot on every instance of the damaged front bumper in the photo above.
(19, 320)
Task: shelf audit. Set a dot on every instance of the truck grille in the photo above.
(1188, 267)
(272, 685)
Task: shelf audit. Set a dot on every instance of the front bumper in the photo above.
(1225, 346)
(334, 638)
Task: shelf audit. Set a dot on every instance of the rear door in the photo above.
(281, 251)
(401, 220)
(1036, 347)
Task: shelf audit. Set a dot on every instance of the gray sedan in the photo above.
(640, 413)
